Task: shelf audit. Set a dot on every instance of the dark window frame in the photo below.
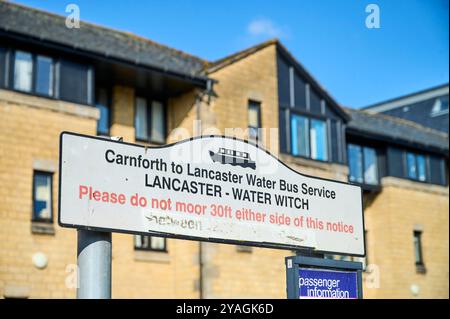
(56, 69)
(309, 116)
(149, 101)
(109, 106)
(33, 213)
(34, 76)
(363, 163)
(257, 105)
(34, 58)
(13, 70)
(90, 81)
(149, 248)
(406, 168)
(402, 171)
(418, 235)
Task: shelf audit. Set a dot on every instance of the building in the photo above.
(94, 80)
(402, 167)
(428, 107)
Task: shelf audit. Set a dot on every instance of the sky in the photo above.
(357, 65)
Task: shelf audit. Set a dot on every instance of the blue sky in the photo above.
(357, 65)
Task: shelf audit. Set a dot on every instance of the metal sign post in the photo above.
(94, 255)
(94, 265)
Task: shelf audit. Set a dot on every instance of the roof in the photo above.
(128, 47)
(44, 26)
(396, 129)
(409, 99)
(230, 59)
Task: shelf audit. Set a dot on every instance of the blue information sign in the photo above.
(321, 284)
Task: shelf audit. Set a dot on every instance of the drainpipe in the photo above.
(200, 278)
(201, 248)
(198, 128)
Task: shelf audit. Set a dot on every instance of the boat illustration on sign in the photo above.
(232, 157)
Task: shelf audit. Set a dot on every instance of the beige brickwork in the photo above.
(391, 218)
(29, 138)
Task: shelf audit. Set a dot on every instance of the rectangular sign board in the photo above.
(327, 284)
(322, 278)
(210, 188)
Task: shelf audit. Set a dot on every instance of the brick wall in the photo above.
(391, 218)
(29, 137)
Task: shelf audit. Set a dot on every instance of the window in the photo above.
(42, 197)
(23, 71)
(149, 121)
(150, 243)
(300, 135)
(438, 174)
(158, 124)
(416, 167)
(44, 75)
(309, 137)
(440, 106)
(355, 161)
(363, 164)
(421, 168)
(102, 104)
(418, 248)
(254, 120)
(318, 137)
(141, 119)
(74, 82)
(370, 166)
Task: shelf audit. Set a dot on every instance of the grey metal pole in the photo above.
(94, 265)
(94, 255)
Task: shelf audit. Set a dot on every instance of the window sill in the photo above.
(367, 187)
(152, 256)
(44, 228)
(149, 142)
(337, 169)
(420, 269)
(414, 185)
(52, 104)
(301, 157)
(244, 249)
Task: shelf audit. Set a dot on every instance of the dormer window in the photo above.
(46, 76)
(440, 106)
(309, 137)
(363, 165)
(23, 71)
(311, 124)
(416, 166)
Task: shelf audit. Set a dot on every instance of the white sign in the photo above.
(208, 188)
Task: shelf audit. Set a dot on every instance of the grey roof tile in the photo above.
(396, 128)
(96, 39)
